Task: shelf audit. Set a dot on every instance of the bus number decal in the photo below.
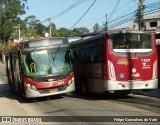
(122, 62)
(146, 63)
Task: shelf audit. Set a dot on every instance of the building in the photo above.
(150, 22)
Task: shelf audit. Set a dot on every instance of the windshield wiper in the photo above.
(54, 56)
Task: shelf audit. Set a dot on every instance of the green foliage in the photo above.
(96, 28)
(82, 30)
(67, 32)
(40, 28)
(31, 22)
(11, 24)
(10, 11)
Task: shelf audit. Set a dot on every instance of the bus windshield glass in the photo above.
(47, 62)
(131, 42)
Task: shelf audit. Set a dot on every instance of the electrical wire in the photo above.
(148, 9)
(114, 12)
(114, 9)
(83, 14)
(65, 10)
(122, 21)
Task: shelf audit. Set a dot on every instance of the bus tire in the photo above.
(84, 88)
(9, 81)
(20, 89)
(8, 78)
(21, 82)
(13, 88)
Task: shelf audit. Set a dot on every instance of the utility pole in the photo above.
(140, 13)
(106, 22)
(49, 20)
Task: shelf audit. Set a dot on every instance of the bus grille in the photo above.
(45, 79)
(50, 90)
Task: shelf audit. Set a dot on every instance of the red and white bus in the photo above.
(40, 67)
(118, 61)
(158, 52)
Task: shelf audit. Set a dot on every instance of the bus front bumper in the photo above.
(131, 85)
(30, 93)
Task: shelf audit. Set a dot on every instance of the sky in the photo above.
(44, 9)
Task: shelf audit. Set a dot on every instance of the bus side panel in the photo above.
(12, 72)
(107, 49)
(8, 68)
(158, 53)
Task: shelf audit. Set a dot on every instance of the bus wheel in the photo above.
(19, 88)
(13, 88)
(84, 88)
(9, 82)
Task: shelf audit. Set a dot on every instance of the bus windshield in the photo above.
(131, 42)
(47, 62)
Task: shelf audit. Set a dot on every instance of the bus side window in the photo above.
(101, 48)
(30, 64)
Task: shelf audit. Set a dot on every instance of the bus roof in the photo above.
(128, 31)
(87, 38)
(103, 35)
(39, 43)
(45, 42)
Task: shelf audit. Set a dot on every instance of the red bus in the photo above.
(117, 62)
(40, 67)
(158, 53)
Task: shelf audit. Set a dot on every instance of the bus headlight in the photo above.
(31, 86)
(71, 81)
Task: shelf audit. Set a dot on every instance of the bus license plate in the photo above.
(53, 90)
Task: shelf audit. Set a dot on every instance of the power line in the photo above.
(118, 18)
(121, 19)
(111, 13)
(152, 8)
(114, 10)
(65, 10)
(84, 14)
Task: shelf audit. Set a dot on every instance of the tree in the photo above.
(32, 27)
(31, 22)
(62, 32)
(41, 29)
(10, 11)
(96, 28)
(81, 30)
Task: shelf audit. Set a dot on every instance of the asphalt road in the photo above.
(63, 109)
